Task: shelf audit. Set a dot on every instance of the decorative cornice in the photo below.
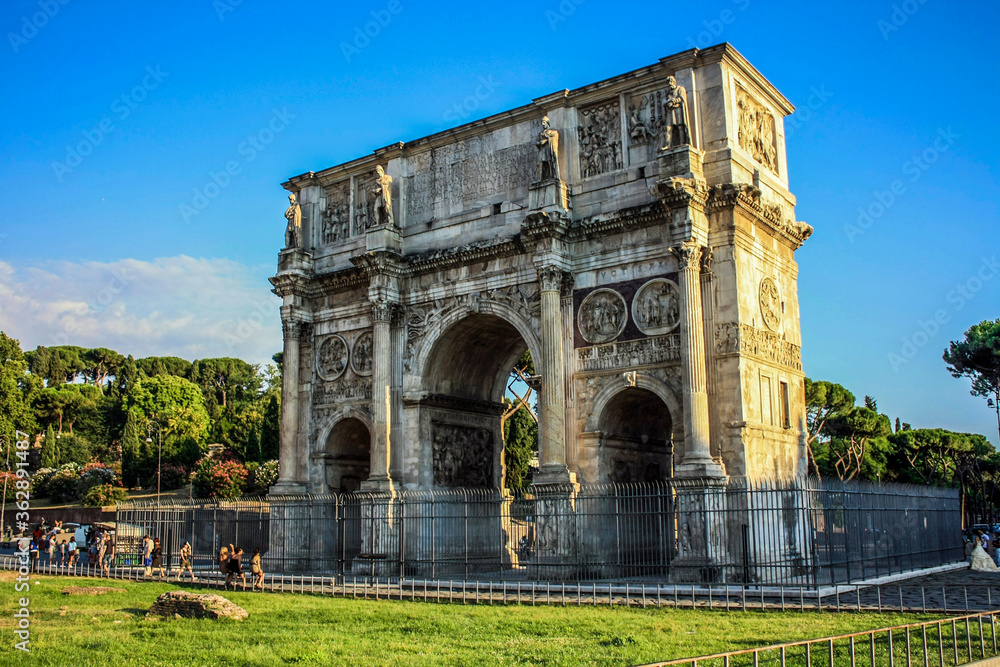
(468, 254)
(747, 199)
(630, 218)
(676, 192)
(545, 224)
(380, 263)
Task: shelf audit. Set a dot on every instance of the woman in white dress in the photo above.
(980, 559)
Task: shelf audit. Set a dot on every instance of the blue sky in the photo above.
(896, 117)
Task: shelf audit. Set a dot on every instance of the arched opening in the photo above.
(464, 381)
(636, 438)
(348, 455)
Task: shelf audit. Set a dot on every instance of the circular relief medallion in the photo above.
(361, 358)
(770, 304)
(331, 362)
(656, 307)
(602, 316)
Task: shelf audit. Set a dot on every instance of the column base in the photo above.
(378, 484)
(553, 474)
(287, 488)
(699, 468)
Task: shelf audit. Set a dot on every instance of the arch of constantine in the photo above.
(636, 235)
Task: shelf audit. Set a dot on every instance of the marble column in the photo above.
(378, 478)
(697, 461)
(552, 445)
(288, 481)
(711, 373)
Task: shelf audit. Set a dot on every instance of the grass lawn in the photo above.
(111, 630)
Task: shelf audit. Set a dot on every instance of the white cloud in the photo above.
(180, 306)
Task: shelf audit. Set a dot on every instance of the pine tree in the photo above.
(269, 438)
(131, 448)
(50, 449)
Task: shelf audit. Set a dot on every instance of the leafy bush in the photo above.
(40, 482)
(172, 476)
(265, 476)
(94, 474)
(11, 480)
(104, 494)
(63, 484)
(222, 478)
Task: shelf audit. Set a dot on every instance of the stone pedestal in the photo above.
(384, 238)
(380, 537)
(702, 556)
(550, 193)
(555, 554)
(680, 162)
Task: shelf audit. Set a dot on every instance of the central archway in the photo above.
(463, 384)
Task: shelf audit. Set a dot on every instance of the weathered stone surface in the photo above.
(195, 605)
(637, 236)
(91, 590)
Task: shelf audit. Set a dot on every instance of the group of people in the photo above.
(152, 558)
(231, 565)
(982, 550)
(66, 548)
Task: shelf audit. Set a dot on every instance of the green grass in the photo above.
(111, 630)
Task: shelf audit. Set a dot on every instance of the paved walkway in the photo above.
(954, 590)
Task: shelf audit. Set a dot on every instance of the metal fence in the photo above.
(804, 533)
(941, 643)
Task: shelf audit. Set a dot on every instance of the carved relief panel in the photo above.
(361, 356)
(770, 304)
(600, 139)
(756, 130)
(656, 307)
(336, 225)
(463, 455)
(602, 317)
(331, 362)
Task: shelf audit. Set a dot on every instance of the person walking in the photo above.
(257, 571)
(62, 554)
(147, 555)
(186, 558)
(158, 557)
(224, 562)
(52, 547)
(102, 554)
(72, 549)
(236, 570)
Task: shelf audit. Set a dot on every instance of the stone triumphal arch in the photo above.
(637, 235)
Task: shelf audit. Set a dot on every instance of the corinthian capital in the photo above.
(291, 329)
(383, 311)
(550, 278)
(688, 255)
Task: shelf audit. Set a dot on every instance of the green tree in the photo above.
(100, 363)
(17, 388)
(50, 449)
(824, 401)
(57, 365)
(132, 434)
(177, 405)
(856, 438)
(227, 380)
(153, 366)
(270, 429)
(978, 358)
(520, 443)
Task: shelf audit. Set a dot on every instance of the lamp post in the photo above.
(159, 453)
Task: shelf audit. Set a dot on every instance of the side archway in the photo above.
(347, 451)
(640, 430)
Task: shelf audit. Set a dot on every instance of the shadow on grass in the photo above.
(134, 611)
